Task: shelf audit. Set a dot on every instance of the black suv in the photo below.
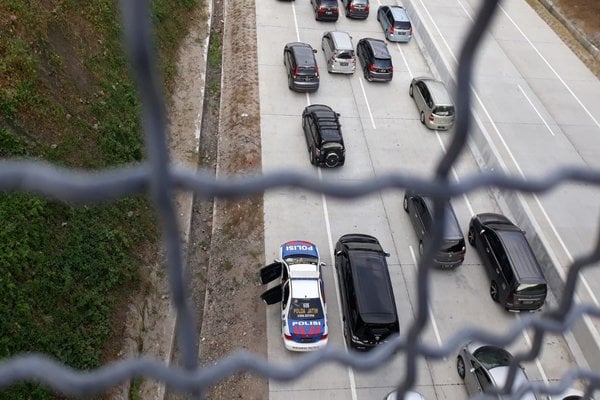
(517, 281)
(301, 66)
(375, 59)
(325, 10)
(452, 250)
(323, 134)
(368, 305)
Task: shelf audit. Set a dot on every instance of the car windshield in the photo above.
(531, 288)
(364, 2)
(306, 309)
(444, 111)
(491, 357)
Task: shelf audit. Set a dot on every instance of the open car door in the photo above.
(270, 272)
(272, 295)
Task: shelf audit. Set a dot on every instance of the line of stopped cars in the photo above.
(369, 314)
(321, 125)
(368, 307)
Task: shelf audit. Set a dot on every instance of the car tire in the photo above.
(494, 291)
(405, 203)
(410, 90)
(313, 158)
(332, 160)
(346, 338)
(460, 367)
(471, 236)
(421, 247)
(422, 118)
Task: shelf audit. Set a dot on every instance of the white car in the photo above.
(301, 294)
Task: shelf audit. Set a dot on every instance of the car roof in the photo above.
(327, 122)
(379, 47)
(438, 91)
(452, 227)
(499, 376)
(343, 40)
(399, 13)
(373, 290)
(521, 254)
(303, 53)
(304, 271)
(304, 288)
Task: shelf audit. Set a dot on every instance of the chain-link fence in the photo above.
(158, 177)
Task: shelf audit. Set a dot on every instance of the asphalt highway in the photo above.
(382, 133)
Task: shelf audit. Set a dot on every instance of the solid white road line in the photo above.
(431, 317)
(551, 68)
(535, 108)
(362, 86)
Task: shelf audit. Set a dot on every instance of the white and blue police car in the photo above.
(301, 294)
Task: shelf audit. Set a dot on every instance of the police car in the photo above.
(301, 293)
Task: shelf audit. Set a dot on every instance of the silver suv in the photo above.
(433, 102)
(339, 52)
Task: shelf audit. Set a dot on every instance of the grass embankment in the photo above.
(66, 97)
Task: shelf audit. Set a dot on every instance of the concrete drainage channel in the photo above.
(583, 340)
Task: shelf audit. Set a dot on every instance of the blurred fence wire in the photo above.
(160, 178)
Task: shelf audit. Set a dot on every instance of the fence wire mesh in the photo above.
(160, 178)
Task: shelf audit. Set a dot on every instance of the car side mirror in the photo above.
(482, 231)
(315, 51)
(472, 370)
(338, 114)
(338, 253)
(386, 254)
(321, 264)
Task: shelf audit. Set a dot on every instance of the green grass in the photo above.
(66, 96)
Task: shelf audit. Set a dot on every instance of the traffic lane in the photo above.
(367, 216)
(305, 221)
(553, 54)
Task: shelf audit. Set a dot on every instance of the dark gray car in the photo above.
(452, 249)
(485, 368)
(301, 67)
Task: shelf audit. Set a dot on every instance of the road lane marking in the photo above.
(337, 292)
(505, 145)
(360, 80)
(295, 21)
(455, 175)
(431, 317)
(537, 360)
(330, 241)
(535, 109)
(551, 68)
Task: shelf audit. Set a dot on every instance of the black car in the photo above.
(325, 10)
(375, 59)
(323, 134)
(368, 305)
(301, 67)
(358, 9)
(420, 209)
(517, 281)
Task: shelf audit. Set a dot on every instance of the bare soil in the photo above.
(225, 242)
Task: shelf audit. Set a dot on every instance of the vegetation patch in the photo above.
(66, 96)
